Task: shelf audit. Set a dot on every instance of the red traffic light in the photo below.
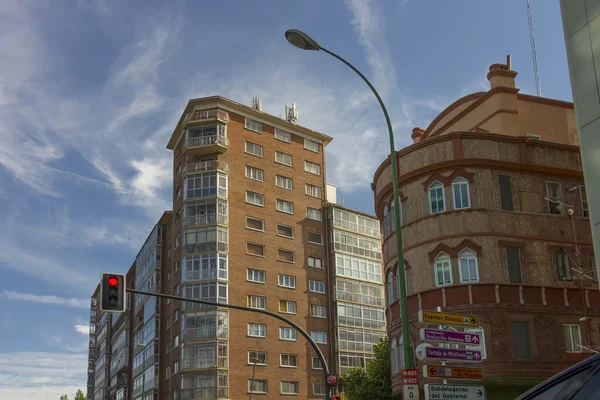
(336, 398)
(113, 281)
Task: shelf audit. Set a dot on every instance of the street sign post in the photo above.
(454, 392)
(442, 371)
(434, 317)
(442, 353)
(410, 384)
(439, 335)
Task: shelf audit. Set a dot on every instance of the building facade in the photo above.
(495, 223)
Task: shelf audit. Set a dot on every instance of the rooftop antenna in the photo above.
(536, 71)
(291, 113)
(256, 103)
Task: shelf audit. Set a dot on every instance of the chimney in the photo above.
(417, 134)
(501, 75)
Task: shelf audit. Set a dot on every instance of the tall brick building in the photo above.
(495, 223)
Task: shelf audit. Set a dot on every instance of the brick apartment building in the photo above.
(486, 191)
(253, 223)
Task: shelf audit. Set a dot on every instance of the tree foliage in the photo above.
(79, 395)
(373, 383)
(64, 397)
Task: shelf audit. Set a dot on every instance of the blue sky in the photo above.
(91, 89)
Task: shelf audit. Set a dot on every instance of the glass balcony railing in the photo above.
(206, 362)
(204, 115)
(205, 332)
(205, 247)
(206, 219)
(205, 393)
(206, 166)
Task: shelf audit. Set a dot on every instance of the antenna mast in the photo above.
(536, 71)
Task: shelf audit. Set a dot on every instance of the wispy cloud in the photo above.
(83, 329)
(45, 299)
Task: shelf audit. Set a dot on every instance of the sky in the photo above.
(90, 91)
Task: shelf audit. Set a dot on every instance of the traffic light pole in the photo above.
(258, 311)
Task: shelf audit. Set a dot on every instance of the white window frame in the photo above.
(281, 364)
(314, 335)
(256, 174)
(308, 143)
(254, 382)
(433, 188)
(321, 390)
(320, 242)
(283, 160)
(287, 183)
(314, 307)
(285, 236)
(253, 125)
(313, 191)
(256, 244)
(253, 271)
(308, 165)
(282, 135)
(457, 183)
(262, 327)
(288, 382)
(254, 196)
(287, 251)
(282, 279)
(287, 306)
(284, 202)
(258, 302)
(312, 363)
(570, 338)
(257, 352)
(254, 146)
(316, 211)
(313, 286)
(439, 262)
(466, 255)
(255, 219)
(283, 333)
(311, 258)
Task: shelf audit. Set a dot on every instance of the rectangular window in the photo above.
(554, 197)
(316, 363)
(318, 389)
(176, 315)
(514, 265)
(287, 333)
(257, 386)
(312, 168)
(256, 224)
(255, 249)
(257, 330)
(177, 290)
(314, 191)
(168, 372)
(563, 265)
(283, 135)
(311, 145)
(175, 367)
(584, 203)
(506, 200)
(254, 149)
(178, 193)
(319, 337)
(316, 286)
(287, 281)
(314, 237)
(318, 311)
(283, 182)
(255, 198)
(521, 341)
(288, 387)
(283, 158)
(257, 357)
(286, 306)
(285, 206)
(255, 275)
(572, 338)
(314, 214)
(257, 302)
(255, 173)
(285, 231)
(286, 255)
(315, 262)
(254, 125)
(168, 322)
(288, 360)
(176, 341)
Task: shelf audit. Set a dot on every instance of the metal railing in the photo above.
(206, 166)
(207, 114)
(207, 141)
(206, 219)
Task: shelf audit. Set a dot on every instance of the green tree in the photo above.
(64, 397)
(79, 395)
(373, 383)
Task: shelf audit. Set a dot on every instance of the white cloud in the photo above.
(83, 329)
(44, 299)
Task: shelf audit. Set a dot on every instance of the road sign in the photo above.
(439, 335)
(331, 379)
(439, 371)
(444, 354)
(454, 392)
(410, 384)
(434, 317)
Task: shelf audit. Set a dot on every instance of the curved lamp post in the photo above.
(302, 41)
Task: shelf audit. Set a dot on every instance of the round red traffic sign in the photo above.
(331, 379)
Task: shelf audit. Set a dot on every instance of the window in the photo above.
(481, 346)
(506, 200)
(255, 275)
(176, 341)
(436, 198)
(442, 270)
(283, 135)
(285, 231)
(177, 290)
(169, 276)
(514, 265)
(287, 333)
(312, 168)
(205, 185)
(177, 239)
(584, 202)
(254, 149)
(286, 306)
(255, 173)
(178, 193)
(283, 158)
(522, 346)
(314, 214)
(286, 256)
(168, 322)
(285, 206)
(460, 191)
(168, 372)
(314, 191)
(254, 125)
(256, 224)
(467, 263)
(175, 367)
(318, 389)
(315, 262)
(257, 385)
(288, 360)
(394, 356)
(255, 198)
(255, 249)
(318, 311)
(390, 288)
(257, 330)
(257, 302)
(563, 265)
(176, 316)
(360, 316)
(572, 338)
(319, 337)
(287, 281)
(288, 387)
(257, 357)
(314, 237)
(554, 197)
(283, 182)
(311, 145)
(316, 286)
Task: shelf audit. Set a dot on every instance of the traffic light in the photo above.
(336, 398)
(112, 292)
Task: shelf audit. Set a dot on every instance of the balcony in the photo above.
(205, 144)
(207, 219)
(205, 393)
(206, 166)
(207, 247)
(199, 117)
(205, 332)
(204, 363)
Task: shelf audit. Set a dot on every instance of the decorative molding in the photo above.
(492, 115)
(511, 243)
(544, 321)
(454, 251)
(447, 180)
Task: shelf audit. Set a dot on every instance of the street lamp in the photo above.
(143, 347)
(253, 361)
(302, 41)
